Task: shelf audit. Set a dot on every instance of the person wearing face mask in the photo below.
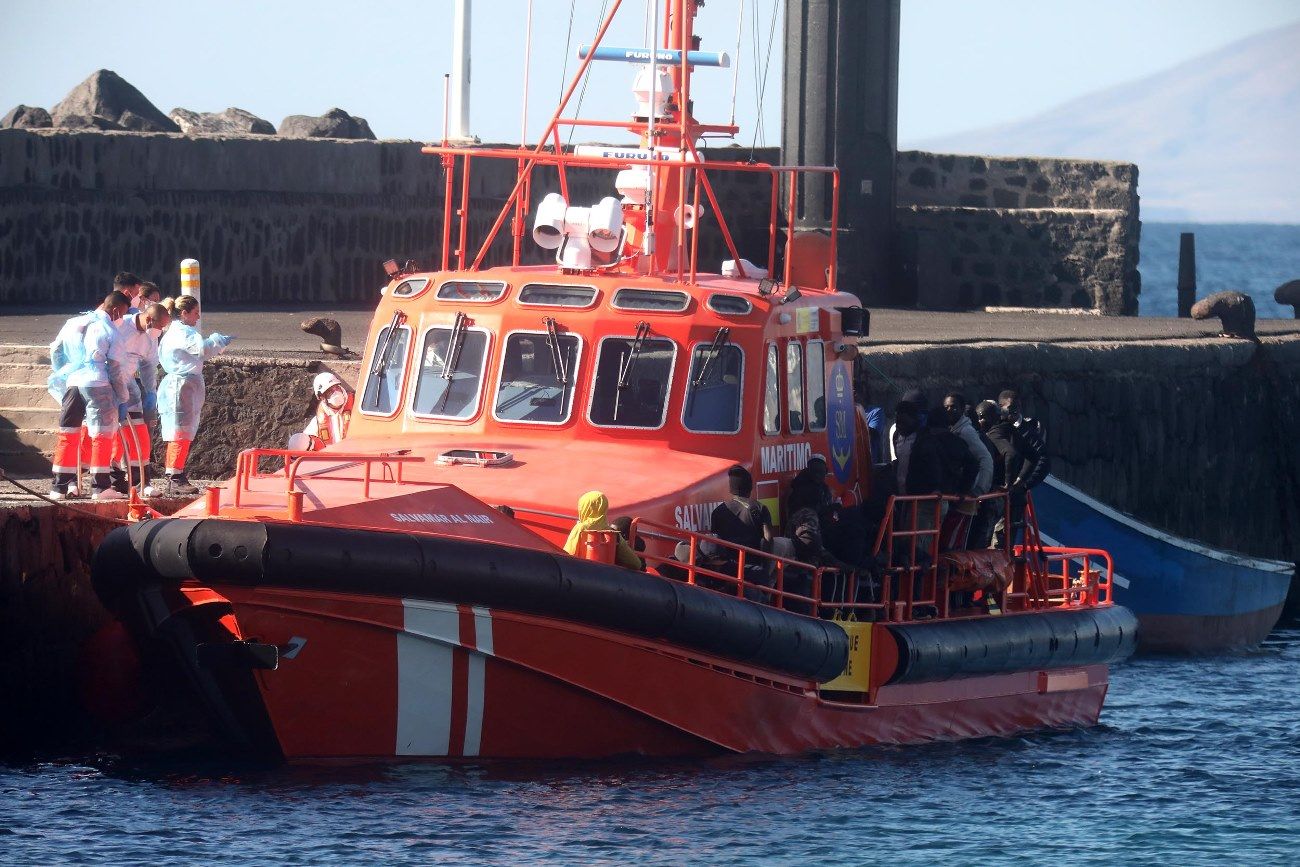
(1013, 411)
(99, 382)
(181, 353)
(333, 412)
(136, 354)
(957, 524)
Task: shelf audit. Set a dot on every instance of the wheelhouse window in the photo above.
(557, 295)
(730, 305)
(537, 374)
(473, 291)
(632, 382)
(794, 386)
(411, 288)
(816, 385)
(664, 301)
(383, 391)
(451, 372)
(772, 392)
(714, 390)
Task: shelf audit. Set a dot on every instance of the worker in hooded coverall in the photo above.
(136, 353)
(333, 412)
(97, 379)
(66, 355)
(180, 395)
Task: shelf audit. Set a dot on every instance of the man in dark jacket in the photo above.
(1013, 411)
(1024, 463)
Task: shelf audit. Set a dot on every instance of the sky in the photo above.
(963, 63)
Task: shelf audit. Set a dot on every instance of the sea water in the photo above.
(1197, 761)
(1251, 258)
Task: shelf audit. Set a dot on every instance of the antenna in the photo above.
(460, 72)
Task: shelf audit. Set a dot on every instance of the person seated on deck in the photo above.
(592, 509)
(333, 413)
(805, 530)
(624, 526)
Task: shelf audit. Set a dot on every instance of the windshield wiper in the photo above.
(712, 352)
(628, 363)
(557, 353)
(454, 344)
(383, 353)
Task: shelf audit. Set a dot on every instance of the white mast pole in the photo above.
(528, 54)
(460, 71)
(648, 242)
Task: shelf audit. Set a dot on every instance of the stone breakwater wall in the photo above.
(48, 609)
(309, 220)
(1200, 438)
(1019, 231)
(271, 220)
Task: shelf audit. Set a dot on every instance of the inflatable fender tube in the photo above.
(468, 572)
(941, 650)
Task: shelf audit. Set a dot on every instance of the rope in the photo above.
(568, 41)
(760, 89)
(883, 375)
(59, 503)
(735, 73)
(582, 94)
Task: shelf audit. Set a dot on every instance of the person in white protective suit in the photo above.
(333, 412)
(66, 355)
(136, 352)
(180, 395)
(97, 379)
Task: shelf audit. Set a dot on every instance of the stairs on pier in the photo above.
(29, 417)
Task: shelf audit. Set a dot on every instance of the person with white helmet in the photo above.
(334, 410)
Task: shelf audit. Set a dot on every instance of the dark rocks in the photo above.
(26, 117)
(1289, 293)
(107, 97)
(335, 123)
(86, 121)
(232, 121)
(1236, 310)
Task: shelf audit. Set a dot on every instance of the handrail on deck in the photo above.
(246, 467)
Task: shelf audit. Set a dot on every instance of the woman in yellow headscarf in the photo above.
(592, 509)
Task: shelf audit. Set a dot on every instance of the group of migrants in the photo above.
(958, 451)
(105, 378)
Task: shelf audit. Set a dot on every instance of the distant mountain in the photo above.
(1216, 139)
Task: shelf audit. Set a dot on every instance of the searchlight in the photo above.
(575, 233)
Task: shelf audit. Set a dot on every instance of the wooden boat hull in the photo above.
(1189, 598)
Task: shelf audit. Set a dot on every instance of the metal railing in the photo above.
(248, 462)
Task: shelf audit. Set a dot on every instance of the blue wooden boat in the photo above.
(1189, 598)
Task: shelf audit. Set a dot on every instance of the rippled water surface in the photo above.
(1197, 762)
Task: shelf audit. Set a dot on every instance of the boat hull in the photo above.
(380, 678)
(1188, 598)
(333, 643)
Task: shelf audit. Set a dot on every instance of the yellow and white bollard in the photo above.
(190, 283)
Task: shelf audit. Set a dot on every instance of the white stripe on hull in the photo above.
(425, 682)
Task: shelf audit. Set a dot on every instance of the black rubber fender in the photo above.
(469, 572)
(1059, 638)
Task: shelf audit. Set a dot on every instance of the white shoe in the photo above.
(148, 491)
(109, 494)
(74, 492)
(56, 494)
